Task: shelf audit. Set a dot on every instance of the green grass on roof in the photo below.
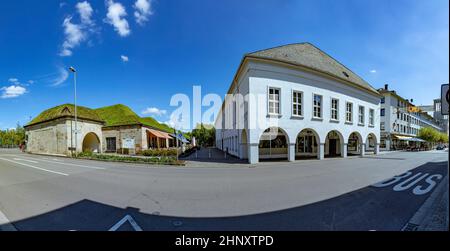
(117, 115)
(65, 110)
(149, 121)
(122, 115)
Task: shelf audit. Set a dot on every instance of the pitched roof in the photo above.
(66, 110)
(309, 56)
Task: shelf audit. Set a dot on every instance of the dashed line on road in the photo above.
(31, 161)
(70, 164)
(35, 167)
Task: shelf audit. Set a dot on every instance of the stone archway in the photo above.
(273, 144)
(334, 145)
(91, 143)
(355, 144)
(307, 144)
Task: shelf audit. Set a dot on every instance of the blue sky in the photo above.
(163, 47)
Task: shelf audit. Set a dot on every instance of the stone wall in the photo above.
(47, 138)
(124, 132)
(55, 137)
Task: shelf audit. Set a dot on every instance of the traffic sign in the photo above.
(445, 99)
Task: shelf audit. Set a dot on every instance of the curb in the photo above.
(417, 220)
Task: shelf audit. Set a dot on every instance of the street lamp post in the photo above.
(75, 100)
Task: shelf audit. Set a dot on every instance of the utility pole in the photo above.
(75, 99)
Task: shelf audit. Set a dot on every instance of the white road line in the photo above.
(31, 161)
(128, 218)
(70, 164)
(5, 224)
(38, 168)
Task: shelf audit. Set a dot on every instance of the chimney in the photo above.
(386, 87)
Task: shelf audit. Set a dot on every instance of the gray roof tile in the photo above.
(307, 55)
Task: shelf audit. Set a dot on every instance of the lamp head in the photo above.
(72, 69)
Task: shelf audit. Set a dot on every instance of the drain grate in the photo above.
(410, 227)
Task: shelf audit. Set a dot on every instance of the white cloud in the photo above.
(12, 91)
(30, 82)
(373, 71)
(124, 58)
(143, 10)
(13, 80)
(63, 75)
(116, 17)
(74, 36)
(85, 10)
(154, 111)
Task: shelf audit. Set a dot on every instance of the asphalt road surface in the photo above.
(52, 193)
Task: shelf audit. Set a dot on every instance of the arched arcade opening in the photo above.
(273, 144)
(91, 143)
(307, 144)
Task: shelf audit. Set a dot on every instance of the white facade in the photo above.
(397, 122)
(240, 125)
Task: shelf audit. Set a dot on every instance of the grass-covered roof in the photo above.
(66, 110)
(118, 115)
(115, 115)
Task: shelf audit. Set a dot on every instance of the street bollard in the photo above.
(196, 153)
(209, 153)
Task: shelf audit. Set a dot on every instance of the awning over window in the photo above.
(165, 135)
(159, 134)
(406, 138)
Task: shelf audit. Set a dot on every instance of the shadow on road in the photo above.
(370, 208)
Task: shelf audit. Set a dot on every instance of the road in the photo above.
(53, 193)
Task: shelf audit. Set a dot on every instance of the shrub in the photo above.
(117, 158)
(158, 152)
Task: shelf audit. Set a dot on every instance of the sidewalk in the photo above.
(433, 214)
(437, 218)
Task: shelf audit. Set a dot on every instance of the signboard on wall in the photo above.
(128, 143)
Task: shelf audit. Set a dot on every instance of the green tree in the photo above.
(430, 134)
(12, 137)
(205, 135)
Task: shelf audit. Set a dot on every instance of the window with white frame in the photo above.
(371, 117)
(334, 109)
(382, 126)
(297, 102)
(361, 115)
(349, 112)
(274, 101)
(317, 106)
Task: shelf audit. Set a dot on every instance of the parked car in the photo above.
(440, 148)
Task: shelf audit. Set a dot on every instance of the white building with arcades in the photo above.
(295, 102)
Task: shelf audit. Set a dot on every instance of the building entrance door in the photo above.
(333, 148)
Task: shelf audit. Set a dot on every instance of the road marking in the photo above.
(35, 167)
(5, 224)
(128, 218)
(31, 161)
(70, 164)
(411, 183)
